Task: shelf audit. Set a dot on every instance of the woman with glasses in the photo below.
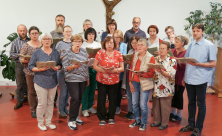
(28, 49)
(61, 47)
(45, 80)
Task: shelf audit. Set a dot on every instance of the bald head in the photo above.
(136, 19)
(22, 31)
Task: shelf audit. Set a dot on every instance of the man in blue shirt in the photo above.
(197, 75)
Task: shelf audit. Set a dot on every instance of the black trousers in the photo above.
(119, 94)
(177, 101)
(101, 104)
(76, 90)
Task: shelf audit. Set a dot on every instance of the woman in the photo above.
(177, 101)
(45, 80)
(61, 47)
(112, 60)
(88, 96)
(153, 40)
(133, 42)
(27, 49)
(141, 83)
(122, 47)
(76, 78)
(164, 81)
(111, 27)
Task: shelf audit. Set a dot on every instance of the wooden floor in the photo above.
(20, 123)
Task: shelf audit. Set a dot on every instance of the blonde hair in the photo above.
(169, 27)
(183, 39)
(77, 37)
(120, 34)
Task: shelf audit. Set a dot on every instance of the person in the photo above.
(111, 26)
(88, 24)
(164, 81)
(133, 41)
(45, 80)
(141, 83)
(122, 47)
(177, 101)
(196, 78)
(58, 33)
(133, 32)
(61, 47)
(88, 95)
(169, 30)
(20, 75)
(111, 59)
(76, 78)
(172, 41)
(28, 49)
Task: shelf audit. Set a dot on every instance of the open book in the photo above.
(42, 64)
(92, 50)
(137, 71)
(185, 60)
(56, 40)
(27, 57)
(110, 68)
(152, 50)
(128, 57)
(75, 62)
(160, 66)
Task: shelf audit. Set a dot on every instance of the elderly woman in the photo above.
(76, 78)
(133, 42)
(164, 81)
(177, 102)
(27, 49)
(108, 64)
(122, 47)
(61, 47)
(141, 83)
(88, 96)
(45, 80)
(111, 27)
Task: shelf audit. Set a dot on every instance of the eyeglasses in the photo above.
(33, 34)
(116, 37)
(68, 32)
(77, 41)
(136, 22)
(45, 39)
(134, 43)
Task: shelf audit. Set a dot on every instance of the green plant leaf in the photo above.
(12, 36)
(6, 44)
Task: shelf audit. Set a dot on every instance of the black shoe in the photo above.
(54, 104)
(134, 124)
(196, 132)
(128, 115)
(131, 117)
(163, 127)
(142, 127)
(186, 129)
(155, 125)
(102, 123)
(33, 114)
(111, 122)
(171, 116)
(18, 105)
(176, 118)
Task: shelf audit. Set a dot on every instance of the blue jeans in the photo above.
(196, 94)
(129, 96)
(64, 94)
(140, 99)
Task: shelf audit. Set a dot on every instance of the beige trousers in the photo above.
(45, 103)
(161, 110)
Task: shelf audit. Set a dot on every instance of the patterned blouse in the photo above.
(27, 50)
(107, 62)
(164, 86)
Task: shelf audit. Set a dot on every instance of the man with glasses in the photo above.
(20, 75)
(169, 30)
(134, 31)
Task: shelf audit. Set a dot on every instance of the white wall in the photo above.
(42, 14)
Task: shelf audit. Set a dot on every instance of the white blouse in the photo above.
(155, 44)
(92, 45)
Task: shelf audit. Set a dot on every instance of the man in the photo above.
(20, 75)
(197, 75)
(169, 30)
(134, 31)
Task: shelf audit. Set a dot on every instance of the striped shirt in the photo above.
(80, 74)
(15, 48)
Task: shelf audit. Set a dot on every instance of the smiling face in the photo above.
(197, 33)
(111, 28)
(67, 32)
(46, 41)
(141, 47)
(34, 35)
(134, 44)
(152, 32)
(109, 45)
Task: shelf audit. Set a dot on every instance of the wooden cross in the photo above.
(109, 8)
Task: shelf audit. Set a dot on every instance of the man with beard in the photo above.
(20, 75)
(133, 32)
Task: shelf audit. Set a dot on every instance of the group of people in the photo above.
(109, 73)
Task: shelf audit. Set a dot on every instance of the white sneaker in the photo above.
(72, 125)
(51, 126)
(85, 113)
(92, 110)
(79, 121)
(43, 128)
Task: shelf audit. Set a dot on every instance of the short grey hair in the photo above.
(87, 20)
(144, 41)
(136, 17)
(44, 35)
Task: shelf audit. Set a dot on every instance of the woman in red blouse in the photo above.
(177, 101)
(108, 64)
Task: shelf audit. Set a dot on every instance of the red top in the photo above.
(149, 74)
(180, 67)
(107, 62)
(160, 40)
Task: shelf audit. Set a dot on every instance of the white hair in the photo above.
(144, 41)
(44, 35)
